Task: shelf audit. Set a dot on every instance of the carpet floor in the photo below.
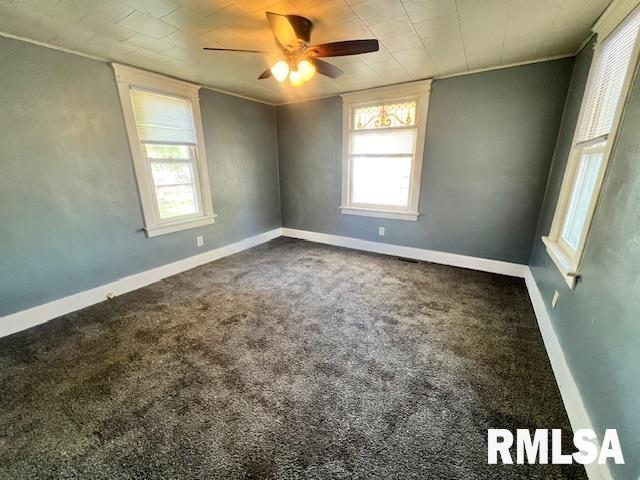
(292, 360)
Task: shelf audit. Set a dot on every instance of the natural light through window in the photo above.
(613, 65)
(583, 190)
(170, 162)
(160, 119)
(384, 140)
(173, 176)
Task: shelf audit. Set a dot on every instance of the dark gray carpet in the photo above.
(291, 361)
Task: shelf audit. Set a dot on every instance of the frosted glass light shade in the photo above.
(296, 78)
(280, 71)
(307, 69)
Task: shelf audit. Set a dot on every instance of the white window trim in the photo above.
(568, 262)
(613, 16)
(127, 78)
(418, 91)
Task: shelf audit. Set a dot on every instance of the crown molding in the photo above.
(388, 91)
(52, 46)
(108, 61)
(306, 99)
(509, 65)
(430, 79)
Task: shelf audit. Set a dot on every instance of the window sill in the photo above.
(562, 261)
(172, 227)
(368, 212)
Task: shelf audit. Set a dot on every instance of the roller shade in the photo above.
(162, 118)
(608, 80)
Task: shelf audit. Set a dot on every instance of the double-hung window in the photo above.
(383, 144)
(607, 89)
(162, 117)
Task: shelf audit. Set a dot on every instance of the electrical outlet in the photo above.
(554, 300)
(381, 231)
(200, 240)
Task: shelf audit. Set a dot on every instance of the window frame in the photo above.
(568, 261)
(418, 91)
(128, 78)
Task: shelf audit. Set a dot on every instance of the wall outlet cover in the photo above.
(200, 240)
(381, 231)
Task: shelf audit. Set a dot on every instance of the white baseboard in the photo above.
(31, 317)
(24, 319)
(573, 403)
(443, 258)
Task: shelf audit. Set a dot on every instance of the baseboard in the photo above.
(573, 403)
(443, 258)
(31, 317)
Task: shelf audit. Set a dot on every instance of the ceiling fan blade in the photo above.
(347, 47)
(283, 31)
(266, 74)
(302, 26)
(234, 50)
(325, 68)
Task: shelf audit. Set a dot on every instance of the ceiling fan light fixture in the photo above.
(307, 69)
(292, 35)
(296, 78)
(280, 70)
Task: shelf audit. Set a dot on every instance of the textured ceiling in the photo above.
(419, 38)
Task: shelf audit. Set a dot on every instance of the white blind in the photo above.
(606, 86)
(162, 118)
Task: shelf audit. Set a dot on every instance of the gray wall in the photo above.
(490, 140)
(70, 217)
(598, 323)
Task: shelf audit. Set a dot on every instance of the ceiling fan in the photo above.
(301, 60)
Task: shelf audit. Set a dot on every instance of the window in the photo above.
(162, 117)
(383, 143)
(611, 73)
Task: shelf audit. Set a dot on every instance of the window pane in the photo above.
(381, 180)
(388, 115)
(168, 151)
(166, 173)
(176, 200)
(398, 141)
(583, 189)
